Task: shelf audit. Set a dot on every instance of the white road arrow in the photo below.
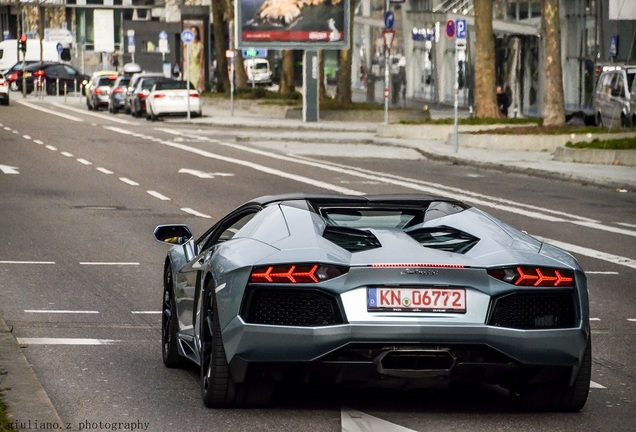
(202, 174)
(9, 169)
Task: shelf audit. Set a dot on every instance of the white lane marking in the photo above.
(28, 262)
(50, 147)
(158, 195)
(255, 166)
(146, 312)
(195, 213)
(602, 272)
(615, 259)
(26, 137)
(596, 385)
(356, 421)
(48, 311)
(104, 170)
(428, 187)
(203, 174)
(129, 181)
(67, 154)
(625, 224)
(48, 111)
(9, 169)
(7, 128)
(631, 319)
(102, 116)
(84, 161)
(601, 227)
(97, 263)
(38, 142)
(595, 319)
(65, 341)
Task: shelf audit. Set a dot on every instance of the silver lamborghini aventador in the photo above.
(392, 290)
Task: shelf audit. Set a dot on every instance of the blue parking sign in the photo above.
(461, 29)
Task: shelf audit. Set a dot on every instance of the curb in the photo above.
(28, 405)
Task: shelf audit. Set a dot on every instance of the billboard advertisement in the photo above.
(193, 67)
(292, 24)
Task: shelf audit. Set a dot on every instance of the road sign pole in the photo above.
(188, 76)
(455, 127)
(387, 5)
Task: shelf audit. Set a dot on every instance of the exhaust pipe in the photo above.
(415, 363)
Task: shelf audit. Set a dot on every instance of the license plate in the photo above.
(416, 300)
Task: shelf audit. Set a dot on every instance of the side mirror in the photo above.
(173, 234)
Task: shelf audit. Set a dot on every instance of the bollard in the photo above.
(64, 92)
(57, 86)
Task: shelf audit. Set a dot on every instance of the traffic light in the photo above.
(22, 44)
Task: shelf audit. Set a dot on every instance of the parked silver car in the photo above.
(615, 97)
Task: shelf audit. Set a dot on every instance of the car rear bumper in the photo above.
(404, 351)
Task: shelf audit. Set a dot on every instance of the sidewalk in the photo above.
(532, 163)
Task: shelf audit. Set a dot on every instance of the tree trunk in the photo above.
(553, 100)
(287, 85)
(239, 67)
(322, 91)
(343, 85)
(218, 28)
(485, 86)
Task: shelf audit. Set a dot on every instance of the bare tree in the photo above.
(343, 85)
(219, 26)
(553, 99)
(287, 85)
(485, 85)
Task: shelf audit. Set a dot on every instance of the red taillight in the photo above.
(534, 276)
(295, 273)
(38, 73)
(158, 96)
(118, 90)
(194, 95)
(4, 83)
(13, 76)
(98, 91)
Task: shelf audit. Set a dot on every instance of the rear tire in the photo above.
(557, 395)
(218, 389)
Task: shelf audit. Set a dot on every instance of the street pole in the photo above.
(455, 128)
(188, 76)
(386, 73)
(231, 37)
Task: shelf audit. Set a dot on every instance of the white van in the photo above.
(9, 54)
(615, 97)
(258, 71)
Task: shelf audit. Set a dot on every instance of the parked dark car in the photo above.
(99, 94)
(141, 92)
(134, 80)
(117, 98)
(14, 73)
(53, 75)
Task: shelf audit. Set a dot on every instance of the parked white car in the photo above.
(172, 98)
(4, 91)
(258, 71)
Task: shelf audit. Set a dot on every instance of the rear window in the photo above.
(107, 81)
(172, 85)
(369, 218)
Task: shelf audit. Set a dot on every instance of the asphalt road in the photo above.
(78, 264)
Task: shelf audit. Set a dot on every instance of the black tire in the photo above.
(169, 325)
(89, 105)
(51, 88)
(557, 395)
(218, 389)
(115, 109)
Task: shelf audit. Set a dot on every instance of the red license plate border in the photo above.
(412, 309)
